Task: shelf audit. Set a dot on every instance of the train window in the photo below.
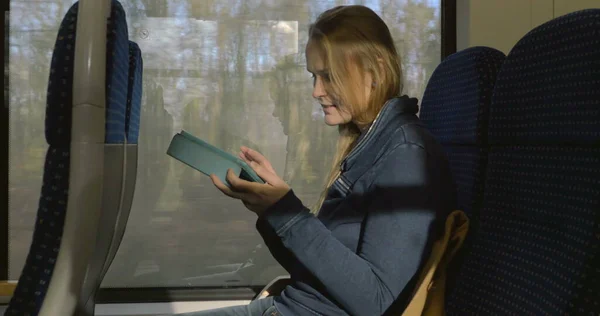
(230, 71)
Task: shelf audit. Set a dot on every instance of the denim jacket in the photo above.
(362, 253)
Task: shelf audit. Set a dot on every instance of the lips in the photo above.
(328, 109)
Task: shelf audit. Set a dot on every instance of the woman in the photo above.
(387, 196)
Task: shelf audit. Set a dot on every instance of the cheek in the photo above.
(337, 117)
(343, 116)
(346, 117)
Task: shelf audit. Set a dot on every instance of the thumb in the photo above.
(264, 173)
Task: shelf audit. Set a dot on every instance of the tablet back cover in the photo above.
(207, 158)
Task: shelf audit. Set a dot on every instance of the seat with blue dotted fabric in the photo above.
(134, 95)
(455, 108)
(37, 274)
(536, 251)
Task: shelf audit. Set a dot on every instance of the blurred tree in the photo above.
(311, 143)
(155, 136)
(416, 28)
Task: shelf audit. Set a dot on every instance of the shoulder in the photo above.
(410, 139)
(413, 168)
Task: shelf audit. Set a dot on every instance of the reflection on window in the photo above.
(229, 71)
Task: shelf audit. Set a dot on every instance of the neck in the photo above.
(363, 128)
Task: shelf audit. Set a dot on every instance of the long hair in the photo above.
(353, 41)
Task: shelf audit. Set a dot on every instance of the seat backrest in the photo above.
(81, 116)
(134, 93)
(120, 160)
(120, 163)
(539, 225)
(455, 108)
(134, 106)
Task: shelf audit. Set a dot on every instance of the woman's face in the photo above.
(316, 66)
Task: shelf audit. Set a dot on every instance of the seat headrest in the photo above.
(456, 101)
(548, 90)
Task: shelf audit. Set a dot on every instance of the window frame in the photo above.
(4, 143)
(153, 294)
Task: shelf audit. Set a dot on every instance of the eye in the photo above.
(326, 77)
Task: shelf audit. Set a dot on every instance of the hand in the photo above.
(264, 294)
(255, 196)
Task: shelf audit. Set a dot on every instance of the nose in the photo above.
(319, 88)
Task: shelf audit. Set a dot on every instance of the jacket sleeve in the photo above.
(394, 242)
(284, 256)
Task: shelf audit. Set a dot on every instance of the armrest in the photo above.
(274, 287)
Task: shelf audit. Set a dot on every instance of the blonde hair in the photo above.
(354, 40)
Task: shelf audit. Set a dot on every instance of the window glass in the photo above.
(229, 71)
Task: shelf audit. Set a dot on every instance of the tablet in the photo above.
(209, 159)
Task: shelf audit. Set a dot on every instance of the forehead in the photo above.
(315, 60)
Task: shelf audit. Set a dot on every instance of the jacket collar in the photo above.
(391, 110)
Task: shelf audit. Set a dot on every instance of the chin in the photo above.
(333, 121)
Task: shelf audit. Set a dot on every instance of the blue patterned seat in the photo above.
(134, 94)
(536, 251)
(455, 109)
(37, 275)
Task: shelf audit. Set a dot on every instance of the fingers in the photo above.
(249, 155)
(265, 174)
(264, 294)
(240, 186)
(222, 187)
(243, 157)
(254, 155)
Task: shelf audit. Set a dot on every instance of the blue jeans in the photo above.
(262, 307)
